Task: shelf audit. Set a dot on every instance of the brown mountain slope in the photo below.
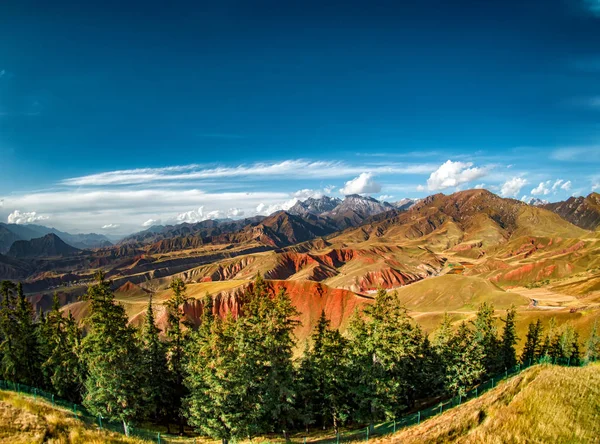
(581, 211)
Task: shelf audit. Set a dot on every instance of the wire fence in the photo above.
(364, 434)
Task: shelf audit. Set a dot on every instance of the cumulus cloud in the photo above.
(306, 193)
(542, 189)
(235, 212)
(363, 184)
(452, 174)
(265, 210)
(512, 187)
(385, 197)
(198, 215)
(557, 184)
(16, 217)
(151, 222)
(110, 226)
(479, 186)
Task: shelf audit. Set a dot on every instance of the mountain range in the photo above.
(10, 233)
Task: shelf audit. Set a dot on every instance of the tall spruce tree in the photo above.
(176, 331)
(509, 339)
(113, 359)
(240, 375)
(463, 359)
(62, 369)
(154, 366)
(486, 334)
(533, 343)
(327, 382)
(592, 350)
(384, 354)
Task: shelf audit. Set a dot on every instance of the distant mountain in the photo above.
(581, 211)
(355, 209)
(48, 246)
(204, 230)
(315, 206)
(11, 268)
(405, 204)
(10, 233)
(536, 202)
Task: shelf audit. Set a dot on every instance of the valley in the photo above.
(441, 254)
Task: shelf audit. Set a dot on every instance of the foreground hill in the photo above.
(24, 420)
(543, 404)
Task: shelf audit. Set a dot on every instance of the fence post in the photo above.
(34, 394)
(419, 417)
(492, 382)
(476, 392)
(394, 425)
(52, 400)
(305, 440)
(337, 437)
(506, 373)
(441, 408)
(158, 438)
(459, 399)
(367, 434)
(100, 421)
(75, 410)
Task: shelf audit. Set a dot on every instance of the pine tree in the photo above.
(465, 361)
(240, 376)
(176, 332)
(533, 346)
(8, 327)
(384, 355)
(328, 372)
(592, 352)
(62, 369)
(154, 365)
(113, 359)
(486, 335)
(509, 339)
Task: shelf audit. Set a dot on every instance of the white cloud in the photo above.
(110, 226)
(542, 189)
(479, 186)
(452, 174)
(363, 184)
(151, 222)
(595, 186)
(420, 188)
(182, 173)
(235, 212)
(306, 193)
(198, 215)
(557, 184)
(385, 197)
(512, 187)
(566, 186)
(265, 210)
(16, 217)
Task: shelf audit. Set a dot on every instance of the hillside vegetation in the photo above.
(24, 420)
(543, 404)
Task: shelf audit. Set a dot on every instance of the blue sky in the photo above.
(227, 108)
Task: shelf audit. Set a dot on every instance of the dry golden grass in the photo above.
(545, 404)
(24, 420)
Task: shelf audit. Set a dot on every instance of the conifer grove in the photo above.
(240, 376)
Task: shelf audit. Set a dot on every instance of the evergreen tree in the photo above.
(533, 345)
(62, 369)
(240, 375)
(19, 349)
(575, 357)
(113, 359)
(384, 355)
(176, 332)
(154, 365)
(464, 361)
(486, 334)
(592, 352)
(509, 339)
(328, 373)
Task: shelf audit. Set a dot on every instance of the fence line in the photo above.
(81, 413)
